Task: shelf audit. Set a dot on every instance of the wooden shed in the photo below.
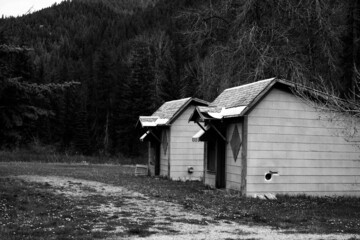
(171, 151)
(262, 138)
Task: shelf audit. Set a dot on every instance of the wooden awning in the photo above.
(149, 136)
(207, 133)
(200, 135)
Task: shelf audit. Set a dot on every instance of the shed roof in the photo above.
(241, 95)
(168, 112)
(168, 109)
(236, 101)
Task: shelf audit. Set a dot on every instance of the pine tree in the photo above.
(21, 103)
(81, 133)
(137, 96)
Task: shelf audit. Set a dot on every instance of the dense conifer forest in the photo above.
(78, 74)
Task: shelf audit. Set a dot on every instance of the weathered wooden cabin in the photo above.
(262, 138)
(171, 151)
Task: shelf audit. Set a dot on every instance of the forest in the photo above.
(78, 74)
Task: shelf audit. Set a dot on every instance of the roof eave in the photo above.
(184, 106)
(195, 115)
(258, 98)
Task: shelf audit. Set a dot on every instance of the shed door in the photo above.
(155, 156)
(157, 159)
(220, 164)
(216, 161)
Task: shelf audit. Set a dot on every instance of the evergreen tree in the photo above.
(100, 100)
(21, 102)
(81, 133)
(132, 56)
(137, 96)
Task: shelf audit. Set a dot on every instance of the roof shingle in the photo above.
(241, 95)
(168, 109)
(167, 112)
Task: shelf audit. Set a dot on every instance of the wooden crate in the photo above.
(141, 170)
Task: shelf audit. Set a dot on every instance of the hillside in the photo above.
(123, 6)
(131, 56)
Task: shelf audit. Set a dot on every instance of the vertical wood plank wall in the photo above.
(286, 135)
(233, 168)
(184, 152)
(164, 157)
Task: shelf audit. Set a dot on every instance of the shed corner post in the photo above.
(244, 156)
(149, 158)
(169, 153)
(205, 161)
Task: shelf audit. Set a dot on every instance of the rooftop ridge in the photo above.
(181, 99)
(246, 85)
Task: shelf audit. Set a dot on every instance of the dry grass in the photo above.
(29, 213)
(302, 213)
(47, 154)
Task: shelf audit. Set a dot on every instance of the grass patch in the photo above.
(302, 213)
(48, 154)
(28, 212)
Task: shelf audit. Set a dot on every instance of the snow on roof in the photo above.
(152, 121)
(228, 112)
(232, 102)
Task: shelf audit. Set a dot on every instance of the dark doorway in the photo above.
(216, 161)
(220, 164)
(157, 158)
(154, 160)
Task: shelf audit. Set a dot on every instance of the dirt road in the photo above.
(147, 218)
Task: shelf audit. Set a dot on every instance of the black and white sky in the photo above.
(19, 7)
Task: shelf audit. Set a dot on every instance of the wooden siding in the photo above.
(287, 136)
(164, 156)
(233, 168)
(184, 152)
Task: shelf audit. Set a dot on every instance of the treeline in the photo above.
(130, 56)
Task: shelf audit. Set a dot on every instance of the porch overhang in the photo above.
(149, 136)
(152, 121)
(200, 135)
(207, 133)
(144, 136)
(202, 114)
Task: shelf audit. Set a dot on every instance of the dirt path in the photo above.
(148, 218)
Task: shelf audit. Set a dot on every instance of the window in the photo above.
(211, 156)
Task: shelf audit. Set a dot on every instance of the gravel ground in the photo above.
(162, 220)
